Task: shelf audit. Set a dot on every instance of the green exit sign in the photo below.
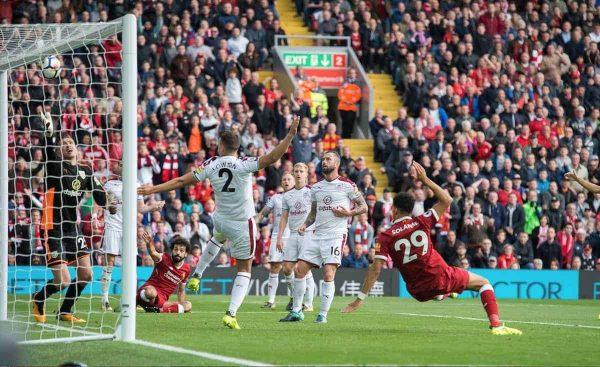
(314, 60)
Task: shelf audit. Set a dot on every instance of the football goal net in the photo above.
(58, 80)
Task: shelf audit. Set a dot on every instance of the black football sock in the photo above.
(48, 290)
(73, 292)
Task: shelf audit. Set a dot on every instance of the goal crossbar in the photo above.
(23, 44)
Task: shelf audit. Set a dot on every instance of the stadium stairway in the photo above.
(292, 24)
(386, 99)
(265, 76)
(364, 148)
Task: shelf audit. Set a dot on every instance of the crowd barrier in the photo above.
(508, 284)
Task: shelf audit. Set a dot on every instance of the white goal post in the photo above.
(21, 45)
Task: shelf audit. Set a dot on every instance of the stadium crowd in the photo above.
(500, 100)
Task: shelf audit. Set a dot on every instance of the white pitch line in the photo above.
(510, 321)
(206, 355)
(437, 316)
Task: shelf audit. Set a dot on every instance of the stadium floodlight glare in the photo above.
(22, 49)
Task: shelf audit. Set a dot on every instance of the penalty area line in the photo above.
(206, 355)
(486, 320)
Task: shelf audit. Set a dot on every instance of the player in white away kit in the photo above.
(296, 206)
(275, 257)
(113, 227)
(331, 199)
(231, 178)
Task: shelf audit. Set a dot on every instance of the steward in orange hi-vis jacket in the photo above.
(348, 95)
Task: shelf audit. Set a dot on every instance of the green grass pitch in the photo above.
(385, 331)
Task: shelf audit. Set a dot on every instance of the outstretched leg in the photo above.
(488, 299)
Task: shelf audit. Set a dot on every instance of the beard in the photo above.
(176, 258)
(327, 170)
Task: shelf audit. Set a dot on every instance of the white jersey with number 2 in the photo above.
(231, 179)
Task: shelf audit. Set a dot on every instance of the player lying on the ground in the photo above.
(593, 188)
(113, 231)
(427, 276)
(170, 272)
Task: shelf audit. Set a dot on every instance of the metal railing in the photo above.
(317, 37)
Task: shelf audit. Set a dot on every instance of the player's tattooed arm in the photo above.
(174, 184)
(360, 206)
(310, 219)
(370, 279)
(261, 214)
(155, 255)
(593, 188)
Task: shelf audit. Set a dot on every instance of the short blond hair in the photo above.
(301, 165)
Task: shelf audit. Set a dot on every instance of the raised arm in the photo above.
(593, 188)
(52, 159)
(370, 279)
(281, 148)
(155, 255)
(444, 199)
(174, 184)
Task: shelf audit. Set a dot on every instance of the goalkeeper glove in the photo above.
(49, 126)
(194, 284)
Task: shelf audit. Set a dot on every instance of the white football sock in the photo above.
(238, 293)
(212, 250)
(299, 290)
(105, 280)
(273, 283)
(328, 291)
(310, 289)
(289, 280)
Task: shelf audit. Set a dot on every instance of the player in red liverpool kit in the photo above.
(170, 272)
(427, 276)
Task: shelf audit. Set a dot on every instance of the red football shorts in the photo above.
(158, 302)
(440, 278)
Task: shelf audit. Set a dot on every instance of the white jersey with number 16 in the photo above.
(231, 178)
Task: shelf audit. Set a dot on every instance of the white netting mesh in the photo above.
(84, 101)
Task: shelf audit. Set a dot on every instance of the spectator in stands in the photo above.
(356, 260)
(587, 258)
(361, 233)
(516, 98)
(524, 251)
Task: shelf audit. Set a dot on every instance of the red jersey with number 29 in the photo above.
(408, 243)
